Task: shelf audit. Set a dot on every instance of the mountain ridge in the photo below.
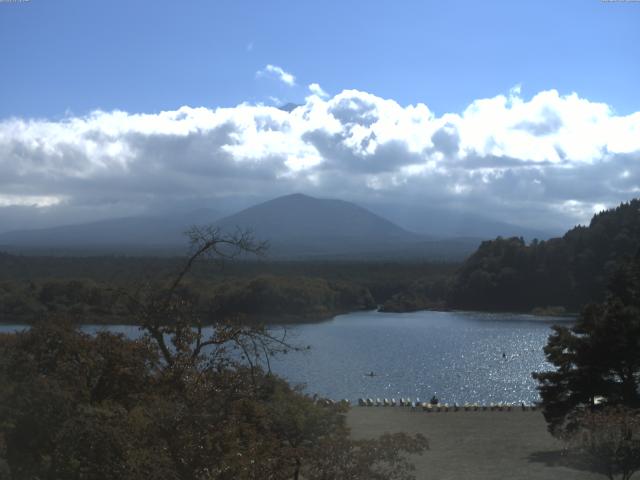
(296, 226)
(122, 231)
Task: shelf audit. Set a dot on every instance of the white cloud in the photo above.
(316, 89)
(38, 201)
(277, 72)
(551, 158)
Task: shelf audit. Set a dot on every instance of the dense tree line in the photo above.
(508, 274)
(265, 297)
(423, 294)
(28, 301)
(291, 291)
(280, 298)
(383, 278)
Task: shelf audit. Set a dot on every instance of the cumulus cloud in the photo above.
(446, 140)
(277, 73)
(551, 160)
(316, 89)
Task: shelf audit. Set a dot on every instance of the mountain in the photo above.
(113, 235)
(300, 225)
(289, 107)
(447, 223)
(295, 226)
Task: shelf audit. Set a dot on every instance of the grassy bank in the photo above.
(476, 445)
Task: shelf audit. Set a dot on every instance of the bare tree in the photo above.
(175, 322)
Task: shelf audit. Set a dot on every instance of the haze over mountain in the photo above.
(446, 223)
(294, 225)
(302, 226)
(300, 218)
(112, 235)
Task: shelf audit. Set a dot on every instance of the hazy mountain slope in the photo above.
(453, 223)
(298, 224)
(453, 249)
(117, 232)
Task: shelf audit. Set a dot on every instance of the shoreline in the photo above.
(290, 319)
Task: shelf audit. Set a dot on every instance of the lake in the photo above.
(457, 356)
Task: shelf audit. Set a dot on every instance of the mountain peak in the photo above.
(289, 107)
(295, 196)
(319, 225)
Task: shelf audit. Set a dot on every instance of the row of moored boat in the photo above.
(443, 407)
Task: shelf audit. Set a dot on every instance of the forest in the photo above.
(507, 274)
(92, 288)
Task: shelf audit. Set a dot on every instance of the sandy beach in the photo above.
(475, 445)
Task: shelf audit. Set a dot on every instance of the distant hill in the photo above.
(448, 223)
(300, 225)
(509, 274)
(289, 107)
(296, 226)
(129, 234)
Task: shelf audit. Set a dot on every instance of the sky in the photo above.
(527, 112)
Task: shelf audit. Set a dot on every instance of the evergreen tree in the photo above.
(598, 357)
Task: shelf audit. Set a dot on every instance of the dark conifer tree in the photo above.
(598, 357)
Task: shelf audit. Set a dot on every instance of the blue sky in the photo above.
(524, 111)
(145, 56)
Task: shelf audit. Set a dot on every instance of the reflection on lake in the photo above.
(454, 355)
(457, 356)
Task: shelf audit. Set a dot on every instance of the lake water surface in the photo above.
(457, 356)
